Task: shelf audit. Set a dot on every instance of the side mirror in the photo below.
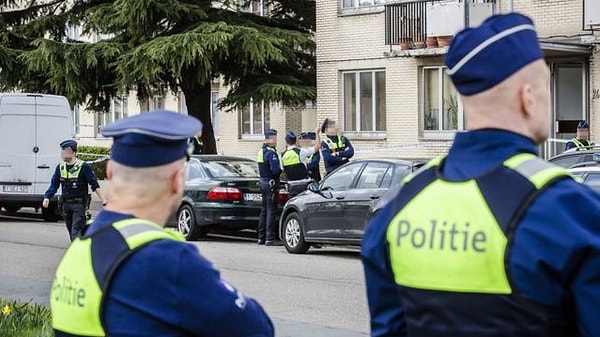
(314, 187)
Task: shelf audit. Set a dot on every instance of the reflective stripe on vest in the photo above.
(580, 145)
(78, 289)
(334, 145)
(458, 245)
(64, 173)
(293, 166)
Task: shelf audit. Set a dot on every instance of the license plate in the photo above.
(252, 197)
(15, 188)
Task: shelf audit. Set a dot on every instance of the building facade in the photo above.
(391, 94)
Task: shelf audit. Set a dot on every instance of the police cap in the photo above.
(290, 137)
(583, 125)
(482, 57)
(270, 133)
(69, 143)
(151, 138)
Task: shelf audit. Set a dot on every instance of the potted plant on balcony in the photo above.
(405, 43)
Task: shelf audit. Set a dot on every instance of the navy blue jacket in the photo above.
(271, 159)
(86, 175)
(168, 289)
(334, 161)
(555, 257)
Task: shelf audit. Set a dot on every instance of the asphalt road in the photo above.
(318, 294)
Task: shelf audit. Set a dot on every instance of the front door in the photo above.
(569, 103)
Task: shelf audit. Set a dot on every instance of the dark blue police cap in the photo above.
(583, 125)
(308, 135)
(481, 57)
(151, 138)
(290, 137)
(69, 143)
(270, 133)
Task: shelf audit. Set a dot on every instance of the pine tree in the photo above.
(153, 46)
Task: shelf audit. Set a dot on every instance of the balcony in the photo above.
(425, 27)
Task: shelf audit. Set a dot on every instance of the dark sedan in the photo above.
(573, 159)
(222, 192)
(336, 210)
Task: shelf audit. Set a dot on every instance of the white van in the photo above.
(31, 128)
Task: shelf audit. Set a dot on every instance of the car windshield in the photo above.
(231, 168)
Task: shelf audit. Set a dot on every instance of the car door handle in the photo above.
(374, 196)
(339, 197)
(43, 167)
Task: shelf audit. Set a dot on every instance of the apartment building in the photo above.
(390, 92)
(237, 131)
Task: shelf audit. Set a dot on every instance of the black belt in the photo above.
(74, 200)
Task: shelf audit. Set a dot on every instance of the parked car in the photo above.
(590, 176)
(336, 210)
(580, 158)
(220, 191)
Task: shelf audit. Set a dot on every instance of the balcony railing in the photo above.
(417, 20)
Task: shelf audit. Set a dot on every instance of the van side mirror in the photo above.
(314, 187)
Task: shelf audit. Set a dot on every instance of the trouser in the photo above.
(74, 215)
(267, 226)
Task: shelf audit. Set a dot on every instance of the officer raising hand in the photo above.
(490, 240)
(127, 276)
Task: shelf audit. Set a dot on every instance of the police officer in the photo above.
(269, 168)
(335, 148)
(312, 161)
(198, 144)
(490, 240)
(294, 164)
(127, 276)
(581, 141)
(73, 175)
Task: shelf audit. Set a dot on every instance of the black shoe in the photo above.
(261, 242)
(273, 243)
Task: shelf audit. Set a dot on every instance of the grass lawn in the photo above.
(19, 319)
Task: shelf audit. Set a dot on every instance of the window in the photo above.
(72, 32)
(441, 106)
(118, 110)
(254, 118)
(364, 101)
(373, 175)
(341, 179)
(76, 120)
(194, 170)
(349, 4)
(214, 105)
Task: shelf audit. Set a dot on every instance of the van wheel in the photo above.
(50, 214)
(186, 224)
(12, 209)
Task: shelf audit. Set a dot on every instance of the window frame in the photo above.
(357, 6)
(253, 134)
(357, 102)
(439, 133)
(111, 115)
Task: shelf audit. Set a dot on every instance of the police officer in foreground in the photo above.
(490, 240)
(294, 164)
(581, 141)
(127, 276)
(73, 176)
(335, 148)
(269, 168)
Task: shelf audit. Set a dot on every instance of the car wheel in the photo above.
(293, 232)
(186, 224)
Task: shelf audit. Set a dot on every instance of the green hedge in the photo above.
(19, 319)
(92, 154)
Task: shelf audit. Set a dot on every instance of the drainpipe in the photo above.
(262, 8)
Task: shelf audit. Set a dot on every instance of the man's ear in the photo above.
(109, 170)
(178, 181)
(527, 101)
